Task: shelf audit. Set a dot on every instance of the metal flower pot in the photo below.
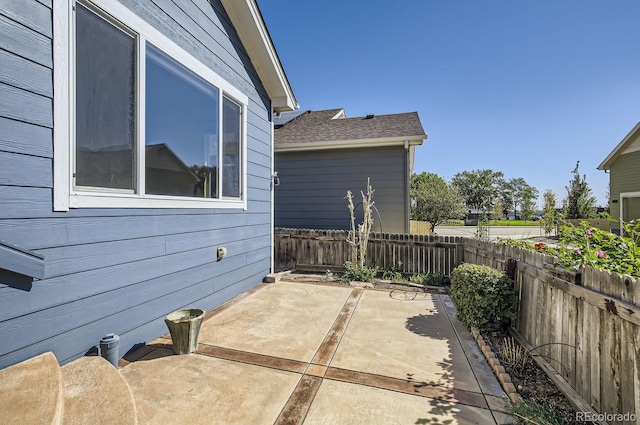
(184, 326)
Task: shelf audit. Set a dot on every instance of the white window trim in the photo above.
(64, 195)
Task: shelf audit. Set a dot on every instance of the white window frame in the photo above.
(65, 196)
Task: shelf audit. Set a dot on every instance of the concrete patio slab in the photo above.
(306, 353)
(281, 320)
(405, 339)
(189, 389)
(343, 403)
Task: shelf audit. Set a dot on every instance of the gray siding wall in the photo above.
(625, 177)
(114, 270)
(313, 186)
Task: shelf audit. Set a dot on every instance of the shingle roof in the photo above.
(319, 126)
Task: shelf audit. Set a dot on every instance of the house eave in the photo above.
(350, 144)
(247, 19)
(615, 153)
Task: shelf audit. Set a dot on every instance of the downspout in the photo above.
(272, 187)
(407, 180)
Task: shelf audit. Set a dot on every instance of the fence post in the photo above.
(459, 253)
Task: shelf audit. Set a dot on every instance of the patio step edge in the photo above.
(32, 391)
(95, 392)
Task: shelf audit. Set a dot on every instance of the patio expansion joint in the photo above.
(297, 407)
(329, 345)
(415, 388)
(278, 363)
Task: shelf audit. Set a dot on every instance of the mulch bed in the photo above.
(531, 382)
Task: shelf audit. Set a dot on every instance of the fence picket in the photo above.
(594, 344)
(610, 400)
(627, 391)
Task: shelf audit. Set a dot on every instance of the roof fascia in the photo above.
(350, 144)
(339, 115)
(615, 153)
(252, 30)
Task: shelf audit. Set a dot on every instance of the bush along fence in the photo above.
(586, 325)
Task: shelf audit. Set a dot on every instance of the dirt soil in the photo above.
(531, 382)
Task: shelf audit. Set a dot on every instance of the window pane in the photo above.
(181, 130)
(105, 103)
(231, 114)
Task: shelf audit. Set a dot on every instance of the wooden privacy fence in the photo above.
(586, 325)
(329, 249)
(419, 227)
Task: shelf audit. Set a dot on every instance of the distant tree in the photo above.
(528, 199)
(527, 209)
(517, 192)
(579, 203)
(479, 188)
(506, 198)
(436, 200)
(497, 211)
(550, 218)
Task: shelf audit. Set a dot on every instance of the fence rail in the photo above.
(587, 325)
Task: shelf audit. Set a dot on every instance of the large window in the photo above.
(181, 130)
(150, 125)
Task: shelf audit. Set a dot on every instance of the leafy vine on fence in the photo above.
(583, 245)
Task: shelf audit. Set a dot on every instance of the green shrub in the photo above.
(393, 273)
(484, 297)
(430, 279)
(361, 274)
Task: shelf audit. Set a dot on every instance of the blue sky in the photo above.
(519, 86)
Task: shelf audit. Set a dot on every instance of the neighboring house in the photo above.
(135, 139)
(623, 166)
(320, 155)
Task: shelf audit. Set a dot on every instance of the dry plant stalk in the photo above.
(359, 240)
(513, 352)
(364, 229)
(351, 238)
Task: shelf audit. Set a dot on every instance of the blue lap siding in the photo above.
(117, 270)
(313, 186)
